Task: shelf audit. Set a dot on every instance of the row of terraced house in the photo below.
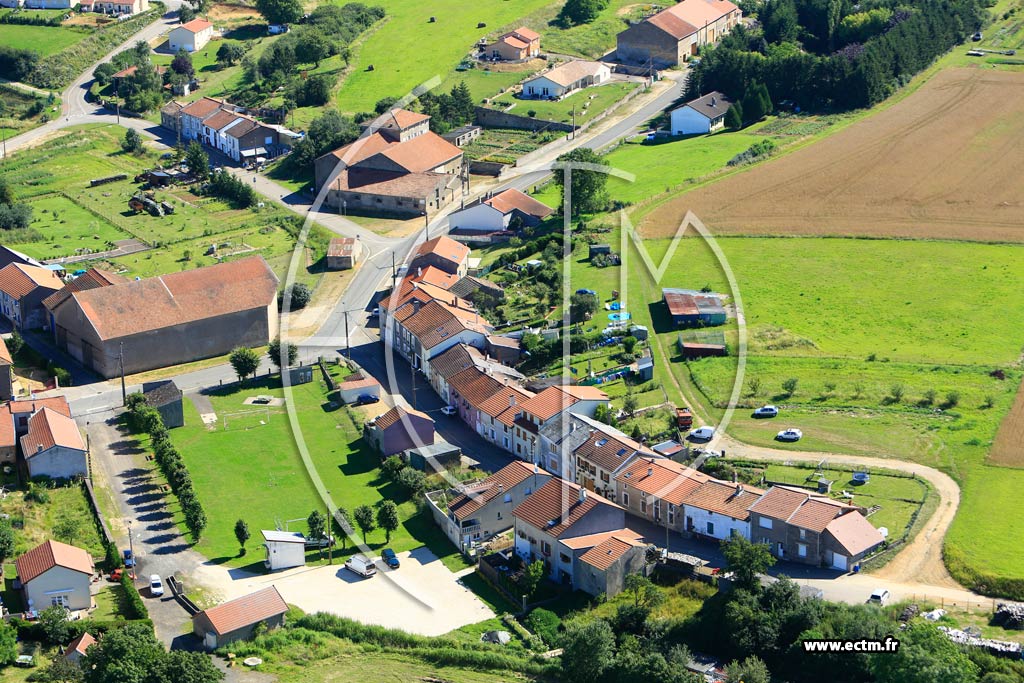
(226, 128)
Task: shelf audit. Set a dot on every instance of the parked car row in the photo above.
(367, 566)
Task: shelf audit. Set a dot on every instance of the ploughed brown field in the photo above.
(946, 162)
(1008, 447)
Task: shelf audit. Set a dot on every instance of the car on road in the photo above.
(702, 433)
(789, 435)
(361, 565)
(880, 597)
(156, 586)
(766, 411)
(366, 399)
(129, 558)
(449, 410)
(390, 559)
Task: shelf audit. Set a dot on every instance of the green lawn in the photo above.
(67, 229)
(111, 603)
(46, 40)
(254, 472)
(33, 521)
(483, 83)
(588, 103)
(438, 47)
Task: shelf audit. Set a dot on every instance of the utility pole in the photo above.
(394, 272)
(124, 394)
(348, 342)
(117, 103)
(131, 550)
(574, 123)
(330, 532)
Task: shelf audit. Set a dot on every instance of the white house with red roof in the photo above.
(53, 446)
(507, 211)
(56, 573)
(553, 404)
(190, 36)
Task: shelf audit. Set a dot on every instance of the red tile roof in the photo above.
(604, 555)
(662, 477)
(436, 322)
(433, 275)
(90, 279)
(478, 495)
(403, 118)
(474, 385)
(80, 644)
(504, 404)
(31, 405)
(422, 153)
(196, 25)
(178, 298)
(854, 533)
(203, 107)
(572, 71)
(591, 540)
(525, 34)
(341, 246)
(779, 503)
(609, 449)
(512, 199)
(549, 403)
(221, 119)
(732, 500)
(456, 359)
(513, 41)
(48, 428)
(816, 513)
(50, 554)
(556, 507)
(246, 610)
(395, 415)
(359, 383)
(446, 248)
(18, 280)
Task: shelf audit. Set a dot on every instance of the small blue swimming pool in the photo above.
(619, 317)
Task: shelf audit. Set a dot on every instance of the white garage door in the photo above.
(838, 561)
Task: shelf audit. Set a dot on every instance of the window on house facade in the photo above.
(545, 547)
(625, 499)
(764, 522)
(508, 497)
(803, 534)
(564, 558)
(605, 478)
(801, 549)
(671, 513)
(711, 528)
(499, 515)
(643, 505)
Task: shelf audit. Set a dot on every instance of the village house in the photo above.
(514, 46)
(432, 275)
(602, 455)
(115, 7)
(237, 619)
(498, 217)
(700, 116)
(469, 390)
(171, 319)
(717, 510)
(546, 406)
(674, 35)
(460, 358)
(22, 291)
(53, 446)
(398, 167)
(792, 521)
(170, 116)
(342, 253)
(56, 574)
(443, 253)
(90, 279)
(654, 488)
(422, 331)
(190, 36)
(409, 294)
(463, 135)
(476, 512)
(559, 523)
(398, 430)
(566, 79)
(6, 373)
(603, 568)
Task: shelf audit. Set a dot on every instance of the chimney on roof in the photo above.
(415, 305)
(739, 489)
(39, 448)
(650, 471)
(501, 488)
(512, 401)
(419, 272)
(734, 479)
(714, 101)
(583, 494)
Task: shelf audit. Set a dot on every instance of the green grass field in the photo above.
(46, 40)
(592, 40)
(67, 228)
(33, 521)
(438, 47)
(21, 111)
(588, 103)
(254, 471)
(483, 84)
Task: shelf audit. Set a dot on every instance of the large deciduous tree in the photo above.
(245, 362)
(280, 11)
(365, 519)
(587, 189)
(746, 559)
(387, 518)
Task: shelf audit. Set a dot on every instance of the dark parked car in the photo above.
(366, 399)
(129, 558)
(390, 559)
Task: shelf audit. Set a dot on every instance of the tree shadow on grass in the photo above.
(360, 460)
(264, 382)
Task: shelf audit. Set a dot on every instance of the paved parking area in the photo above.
(422, 596)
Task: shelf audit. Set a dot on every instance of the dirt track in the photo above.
(919, 563)
(946, 162)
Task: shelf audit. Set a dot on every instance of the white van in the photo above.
(362, 565)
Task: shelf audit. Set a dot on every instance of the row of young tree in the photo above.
(144, 418)
(859, 74)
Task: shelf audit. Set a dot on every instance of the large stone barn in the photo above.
(171, 319)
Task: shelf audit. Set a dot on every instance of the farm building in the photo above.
(236, 619)
(165, 397)
(691, 349)
(566, 79)
(22, 291)
(677, 33)
(463, 135)
(691, 308)
(56, 574)
(171, 319)
(284, 549)
(514, 46)
(703, 115)
(466, 287)
(400, 429)
(53, 447)
(190, 36)
(342, 253)
(510, 210)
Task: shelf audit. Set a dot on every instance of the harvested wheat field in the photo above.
(946, 162)
(1008, 448)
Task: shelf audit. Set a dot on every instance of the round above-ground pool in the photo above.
(618, 317)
